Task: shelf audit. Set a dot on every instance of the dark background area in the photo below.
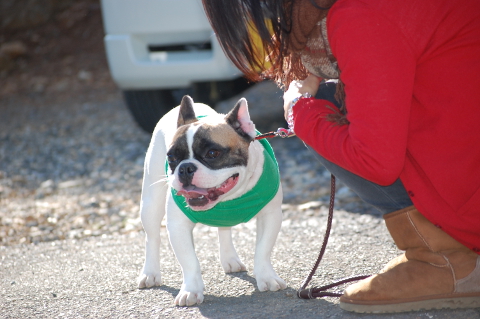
(52, 49)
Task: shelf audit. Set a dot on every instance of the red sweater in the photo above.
(411, 71)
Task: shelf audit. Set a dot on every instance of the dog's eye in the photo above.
(211, 154)
(171, 158)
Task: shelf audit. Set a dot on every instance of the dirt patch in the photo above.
(64, 58)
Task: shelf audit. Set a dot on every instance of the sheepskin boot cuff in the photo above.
(435, 272)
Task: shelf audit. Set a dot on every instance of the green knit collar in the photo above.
(242, 209)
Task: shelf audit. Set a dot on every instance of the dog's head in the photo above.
(208, 156)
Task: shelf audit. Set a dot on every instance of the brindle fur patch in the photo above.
(223, 138)
(179, 148)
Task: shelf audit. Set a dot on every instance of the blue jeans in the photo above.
(386, 199)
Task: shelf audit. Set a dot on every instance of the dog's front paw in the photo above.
(185, 298)
(233, 264)
(270, 281)
(151, 279)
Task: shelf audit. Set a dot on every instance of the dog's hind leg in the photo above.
(152, 209)
(269, 221)
(228, 255)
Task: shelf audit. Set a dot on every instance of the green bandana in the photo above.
(243, 208)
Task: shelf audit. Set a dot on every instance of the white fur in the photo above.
(190, 133)
(156, 200)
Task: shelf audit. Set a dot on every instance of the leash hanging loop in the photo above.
(318, 292)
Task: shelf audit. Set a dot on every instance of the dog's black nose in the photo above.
(185, 173)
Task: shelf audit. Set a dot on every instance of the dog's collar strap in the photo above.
(242, 209)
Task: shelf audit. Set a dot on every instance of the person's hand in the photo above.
(298, 88)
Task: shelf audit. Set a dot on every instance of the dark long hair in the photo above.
(231, 20)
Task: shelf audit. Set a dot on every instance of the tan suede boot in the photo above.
(435, 272)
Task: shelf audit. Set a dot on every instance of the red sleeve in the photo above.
(378, 69)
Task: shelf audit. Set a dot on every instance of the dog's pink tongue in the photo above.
(214, 193)
(198, 197)
(192, 192)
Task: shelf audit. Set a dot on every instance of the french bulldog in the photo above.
(202, 166)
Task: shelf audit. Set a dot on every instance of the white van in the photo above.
(158, 50)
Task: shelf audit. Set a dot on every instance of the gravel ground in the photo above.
(68, 171)
(71, 156)
(95, 277)
(74, 170)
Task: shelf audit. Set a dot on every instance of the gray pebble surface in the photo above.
(74, 171)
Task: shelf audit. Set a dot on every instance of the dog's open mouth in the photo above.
(200, 197)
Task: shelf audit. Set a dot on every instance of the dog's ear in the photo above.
(239, 119)
(186, 114)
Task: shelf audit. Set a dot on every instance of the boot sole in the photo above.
(472, 301)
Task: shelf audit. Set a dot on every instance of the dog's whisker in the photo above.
(160, 181)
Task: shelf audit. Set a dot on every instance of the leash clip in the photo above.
(284, 132)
